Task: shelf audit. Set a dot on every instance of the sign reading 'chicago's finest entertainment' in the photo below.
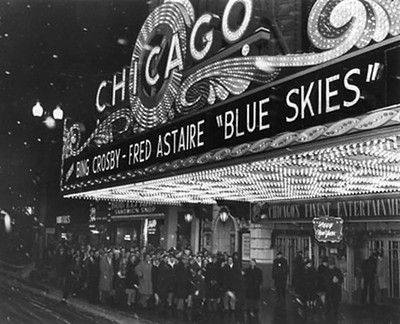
(345, 209)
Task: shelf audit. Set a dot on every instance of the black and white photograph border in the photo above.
(200, 161)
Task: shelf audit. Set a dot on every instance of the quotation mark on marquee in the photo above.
(372, 73)
(219, 119)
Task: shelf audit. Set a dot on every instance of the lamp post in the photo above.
(49, 120)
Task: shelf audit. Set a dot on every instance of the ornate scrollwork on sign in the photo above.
(218, 81)
(334, 26)
(103, 134)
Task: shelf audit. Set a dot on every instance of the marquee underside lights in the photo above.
(358, 168)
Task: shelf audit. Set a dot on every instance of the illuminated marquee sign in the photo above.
(167, 98)
(328, 229)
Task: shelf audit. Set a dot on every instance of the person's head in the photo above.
(230, 260)
(109, 254)
(253, 263)
(279, 255)
(62, 251)
(325, 261)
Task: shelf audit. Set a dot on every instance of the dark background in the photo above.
(58, 52)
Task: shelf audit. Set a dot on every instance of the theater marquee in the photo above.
(185, 102)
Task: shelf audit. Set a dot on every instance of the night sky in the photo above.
(56, 52)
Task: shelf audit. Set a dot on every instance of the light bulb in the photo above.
(37, 110)
(58, 113)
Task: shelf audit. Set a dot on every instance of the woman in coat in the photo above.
(143, 271)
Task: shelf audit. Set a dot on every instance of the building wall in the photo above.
(260, 249)
(171, 222)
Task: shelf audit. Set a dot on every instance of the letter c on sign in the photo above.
(230, 35)
(151, 80)
(100, 108)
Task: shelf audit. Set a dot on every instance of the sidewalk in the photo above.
(81, 305)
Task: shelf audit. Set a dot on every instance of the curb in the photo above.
(116, 317)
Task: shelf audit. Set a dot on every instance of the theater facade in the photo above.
(249, 145)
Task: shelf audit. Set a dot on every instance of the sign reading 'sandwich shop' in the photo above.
(198, 90)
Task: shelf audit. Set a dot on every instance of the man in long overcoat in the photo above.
(182, 283)
(106, 276)
(253, 280)
(334, 294)
(231, 279)
(166, 282)
(93, 275)
(280, 273)
(213, 284)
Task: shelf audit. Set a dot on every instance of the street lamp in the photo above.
(37, 110)
(188, 217)
(224, 214)
(58, 113)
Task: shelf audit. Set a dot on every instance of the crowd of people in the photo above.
(174, 283)
(186, 285)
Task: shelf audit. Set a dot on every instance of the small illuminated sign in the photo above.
(328, 229)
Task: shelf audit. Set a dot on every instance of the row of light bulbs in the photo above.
(336, 171)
